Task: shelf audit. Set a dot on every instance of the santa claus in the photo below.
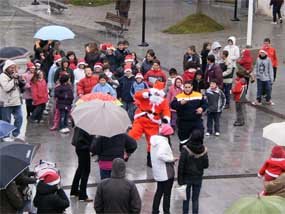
(152, 110)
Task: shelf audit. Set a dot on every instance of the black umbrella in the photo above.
(14, 159)
(13, 53)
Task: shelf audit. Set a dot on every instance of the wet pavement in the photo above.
(239, 150)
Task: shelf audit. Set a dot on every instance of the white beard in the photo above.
(156, 100)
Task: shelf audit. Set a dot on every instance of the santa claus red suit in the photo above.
(152, 107)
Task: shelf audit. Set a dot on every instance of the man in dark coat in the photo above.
(117, 194)
(276, 7)
(123, 7)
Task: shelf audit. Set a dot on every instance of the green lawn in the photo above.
(92, 3)
(197, 23)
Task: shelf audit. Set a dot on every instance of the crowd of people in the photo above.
(158, 104)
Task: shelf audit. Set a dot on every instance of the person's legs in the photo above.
(157, 197)
(85, 171)
(131, 110)
(274, 73)
(239, 113)
(268, 86)
(210, 118)
(217, 116)
(227, 90)
(17, 113)
(167, 195)
(41, 111)
(63, 119)
(259, 90)
(274, 12)
(195, 197)
(75, 183)
(278, 11)
(186, 202)
(29, 107)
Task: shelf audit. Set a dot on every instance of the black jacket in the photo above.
(50, 199)
(91, 58)
(195, 58)
(199, 85)
(191, 165)
(108, 149)
(11, 199)
(276, 2)
(64, 95)
(117, 194)
(124, 89)
(81, 139)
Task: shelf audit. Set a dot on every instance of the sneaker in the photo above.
(88, 200)
(67, 130)
(274, 23)
(20, 138)
(269, 103)
(41, 121)
(207, 134)
(63, 131)
(8, 139)
(45, 112)
(217, 134)
(256, 103)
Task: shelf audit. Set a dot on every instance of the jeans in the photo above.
(240, 112)
(81, 174)
(163, 189)
(276, 11)
(29, 107)
(213, 117)
(196, 187)
(38, 112)
(130, 108)
(16, 111)
(227, 91)
(263, 86)
(63, 118)
(105, 173)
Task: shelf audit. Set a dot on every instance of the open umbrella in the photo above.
(102, 118)
(275, 132)
(14, 159)
(98, 96)
(5, 128)
(258, 205)
(54, 32)
(13, 53)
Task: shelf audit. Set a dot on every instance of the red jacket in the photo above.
(189, 74)
(85, 85)
(39, 92)
(152, 75)
(272, 168)
(246, 60)
(239, 89)
(271, 53)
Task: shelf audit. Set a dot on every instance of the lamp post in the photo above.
(249, 24)
(235, 19)
(143, 43)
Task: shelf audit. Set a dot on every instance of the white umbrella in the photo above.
(54, 32)
(275, 132)
(102, 118)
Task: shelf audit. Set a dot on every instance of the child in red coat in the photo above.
(239, 92)
(274, 166)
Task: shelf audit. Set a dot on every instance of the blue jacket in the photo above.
(124, 89)
(106, 89)
(137, 87)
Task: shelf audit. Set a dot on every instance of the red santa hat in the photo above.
(129, 58)
(278, 152)
(139, 75)
(57, 58)
(81, 62)
(166, 129)
(30, 65)
(105, 46)
(50, 177)
(98, 65)
(128, 68)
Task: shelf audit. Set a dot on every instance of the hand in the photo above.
(183, 102)
(15, 75)
(199, 110)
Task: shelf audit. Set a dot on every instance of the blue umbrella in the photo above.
(54, 32)
(13, 53)
(5, 128)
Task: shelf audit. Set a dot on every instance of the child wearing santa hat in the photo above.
(139, 84)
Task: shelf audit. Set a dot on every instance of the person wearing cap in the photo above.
(192, 162)
(138, 84)
(11, 85)
(189, 106)
(162, 160)
(263, 71)
(103, 86)
(124, 91)
(117, 194)
(98, 68)
(85, 85)
(155, 74)
(27, 95)
(129, 62)
(50, 197)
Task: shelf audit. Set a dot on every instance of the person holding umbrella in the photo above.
(10, 94)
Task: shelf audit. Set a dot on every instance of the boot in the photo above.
(148, 163)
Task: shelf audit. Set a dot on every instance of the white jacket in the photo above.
(9, 91)
(234, 52)
(161, 153)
